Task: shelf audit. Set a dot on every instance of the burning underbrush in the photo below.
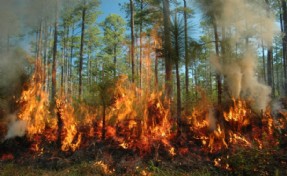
(137, 130)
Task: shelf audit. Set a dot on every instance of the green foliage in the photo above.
(114, 29)
(252, 161)
(177, 34)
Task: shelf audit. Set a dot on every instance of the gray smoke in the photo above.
(19, 21)
(15, 127)
(246, 24)
(242, 80)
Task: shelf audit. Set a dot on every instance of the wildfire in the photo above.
(238, 114)
(141, 122)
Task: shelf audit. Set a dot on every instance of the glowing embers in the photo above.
(7, 157)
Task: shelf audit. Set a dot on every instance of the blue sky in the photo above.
(111, 6)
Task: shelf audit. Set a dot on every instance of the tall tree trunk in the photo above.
(270, 75)
(269, 67)
(132, 40)
(178, 109)
(218, 77)
(167, 49)
(62, 73)
(186, 58)
(141, 28)
(82, 51)
(115, 60)
(54, 85)
(178, 91)
(66, 62)
(39, 51)
(284, 19)
(277, 71)
(71, 60)
(45, 64)
(89, 67)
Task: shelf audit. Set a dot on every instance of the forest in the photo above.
(158, 87)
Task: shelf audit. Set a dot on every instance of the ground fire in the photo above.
(140, 127)
(84, 98)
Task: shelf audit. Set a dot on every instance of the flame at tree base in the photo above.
(141, 123)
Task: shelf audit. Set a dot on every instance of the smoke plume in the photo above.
(15, 127)
(243, 25)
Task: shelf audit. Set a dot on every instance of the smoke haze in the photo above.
(15, 127)
(246, 24)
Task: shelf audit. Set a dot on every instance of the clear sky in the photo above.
(111, 6)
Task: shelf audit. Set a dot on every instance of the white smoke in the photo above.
(250, 19)
(16, 128)
(242, 80)
(247, 24)
(211, 120)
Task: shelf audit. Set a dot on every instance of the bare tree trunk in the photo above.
(132, 40)
(178, 107)
(39, 53)
(269, 67)
(115, 61)
(167, 49)
(178, 89)
(62, 74)
(141, 9)
(71, 60)
(54, 85)
(82, 51)
(186, 58)
(45, 64)
(270, 75)
(39, 50)
(284, 28)
(218, 77)
(66, 70)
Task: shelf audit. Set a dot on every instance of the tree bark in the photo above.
(284, 19)
(132, 40)
(186, 53)
(218, 77)
(167, 49)
(45, 63)
(141, 26)
(71, 60)
(82, 50)
(269, 67)
(270, 59)
(54, 82)
(178, 91)
(115, 60)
